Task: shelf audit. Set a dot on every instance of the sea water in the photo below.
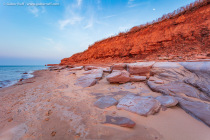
(10, 75)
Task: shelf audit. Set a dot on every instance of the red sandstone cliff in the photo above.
(180, 35)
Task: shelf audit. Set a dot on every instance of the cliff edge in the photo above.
(179, 36)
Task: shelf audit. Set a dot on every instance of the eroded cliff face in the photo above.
(179, 38)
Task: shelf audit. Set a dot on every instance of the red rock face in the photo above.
(181, 37)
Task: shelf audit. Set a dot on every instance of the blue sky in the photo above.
(46, 34)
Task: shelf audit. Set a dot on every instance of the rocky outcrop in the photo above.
(90, 78)
(105, 102)
(140, 105)
(91, 67)
(76, 68)
(183, 83)
(170, 39)
(121, 121)
(167, 101)
(202, 78)
(119, 66)
(118, 77)
(188, 86)
(141, 68)
(135, 78)
(173, 79)
(107, 69)
(56, 68)
(198, 109)
(178, 88)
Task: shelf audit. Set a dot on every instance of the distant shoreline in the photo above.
(12, 74)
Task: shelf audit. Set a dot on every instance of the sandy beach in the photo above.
(50, 106)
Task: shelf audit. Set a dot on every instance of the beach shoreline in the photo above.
(51, 106)
(12, 74)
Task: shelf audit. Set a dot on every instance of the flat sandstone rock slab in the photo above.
(136, 78)
(166, 65)
(105, 102)
(118, 77)
(141, 105)
(121, 121)
(167, 101)
(140, 68)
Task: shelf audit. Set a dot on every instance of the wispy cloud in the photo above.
(131, 3)
(90, 23)
(109, 16)
(69, 21)
(36, 11)
(79, 3)
(71, 15)
(99, 7)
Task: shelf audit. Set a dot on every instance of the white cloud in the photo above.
(63, 23)
(43, 9)
(79, 3)
(90, 23)
(153, 9)
(69, 21)
(34, 10)
(109, 16)
(98, 2)
(50, 40)
(131, 3)
(71, 15)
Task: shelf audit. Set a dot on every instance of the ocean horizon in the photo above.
(11, 74)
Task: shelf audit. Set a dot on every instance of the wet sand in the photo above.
(50, 106)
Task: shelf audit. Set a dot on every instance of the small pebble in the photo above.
(53, 133)
(49, 113)
(10, 119)
(47, 119)
(77, 134)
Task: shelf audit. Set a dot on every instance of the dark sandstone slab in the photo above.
(86, 81)
(198, 109)
(178, 88)
(121, 121)
(76, 68)
(105, 102)
(136, 78)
